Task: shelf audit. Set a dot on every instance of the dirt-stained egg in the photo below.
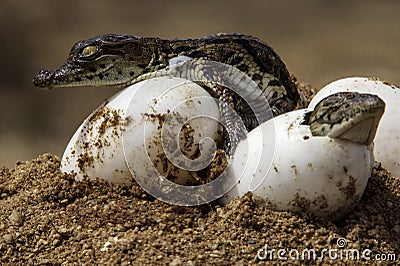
(387, 139)
(158, 122)
(282, 161)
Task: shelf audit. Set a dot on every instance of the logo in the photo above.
(168, 137)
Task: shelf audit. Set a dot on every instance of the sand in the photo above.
(47, 217)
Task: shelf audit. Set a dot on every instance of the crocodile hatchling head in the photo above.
(349, 116)
(104, 60)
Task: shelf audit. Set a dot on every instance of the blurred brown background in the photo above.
(320, 41)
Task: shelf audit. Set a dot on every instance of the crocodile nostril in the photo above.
(42, 78)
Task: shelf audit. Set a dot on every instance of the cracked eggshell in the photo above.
(292, 168)
(97, 148)
(387, 139)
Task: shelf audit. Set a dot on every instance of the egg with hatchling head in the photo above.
(387, 140)
(316, 160)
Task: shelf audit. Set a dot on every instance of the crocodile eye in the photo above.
(89, 50)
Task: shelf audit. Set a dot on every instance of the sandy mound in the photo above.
(48, 217)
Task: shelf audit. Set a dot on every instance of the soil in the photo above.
(47, 217)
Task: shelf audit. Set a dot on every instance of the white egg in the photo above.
(124, 135)
(281, 160)
(387, 139)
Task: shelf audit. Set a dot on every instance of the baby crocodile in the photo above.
(347, 115)
(121, 60)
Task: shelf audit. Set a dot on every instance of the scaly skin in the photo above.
(347, 115)
(119, 60)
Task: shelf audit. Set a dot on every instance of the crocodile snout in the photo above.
(43, 79)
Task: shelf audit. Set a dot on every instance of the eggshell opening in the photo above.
(387, 139)
(326, 176)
